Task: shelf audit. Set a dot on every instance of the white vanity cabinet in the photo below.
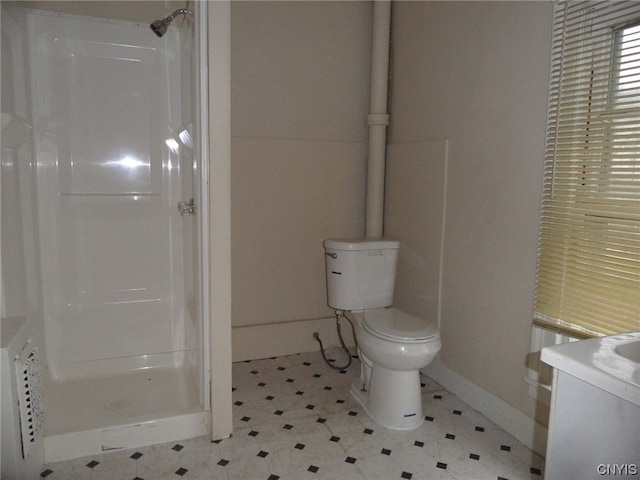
(594, 428)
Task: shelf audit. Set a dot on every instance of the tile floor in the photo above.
(295, 419)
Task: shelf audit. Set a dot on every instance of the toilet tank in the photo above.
(361, 272)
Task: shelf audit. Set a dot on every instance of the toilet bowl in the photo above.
(392, 345)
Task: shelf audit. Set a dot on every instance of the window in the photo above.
(588, 275)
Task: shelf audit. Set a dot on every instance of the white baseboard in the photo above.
(286, 338)
(510, 419)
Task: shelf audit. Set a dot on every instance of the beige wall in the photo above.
(299, 99)
(469, 93)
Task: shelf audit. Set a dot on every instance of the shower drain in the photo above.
(118, 404)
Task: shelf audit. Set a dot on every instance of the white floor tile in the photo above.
(295, 419)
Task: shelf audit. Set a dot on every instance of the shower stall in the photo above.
(103, 220)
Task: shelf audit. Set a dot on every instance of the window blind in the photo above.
(588, 273)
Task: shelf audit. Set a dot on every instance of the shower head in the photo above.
(159, 27)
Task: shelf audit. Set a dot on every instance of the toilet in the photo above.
(392, 345)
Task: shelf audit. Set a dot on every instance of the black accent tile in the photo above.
(138, 478)
(441, 465)
(450, 436)
(93, 464)
(368, 431)
(313, 469)
(479, 429)
(299, 392)
(262, 384)
(505, 448)
(253, 433)
(300, 446)
(281, 368)
(310, 407)
(254, 372)
(287, 427)
(233, 389)
(136, 456)
(428, 419)
(340, 401)
(457, 412)
(46, 473)
(316, 375)
(328, 388)
(290, 380)
(418, 443)
(177, 447)
(342, 372)
(474, 456)
(217, 442)
(278, 412)
(334, 439)
(238, 403)
(321, 420)
(535, 471)
(438, 397)
(181, 471)
(352, 413)
(350, 460)
(223, 462)
(269, 397)
(407, 475)
(306, 364)
(273, 477)
(385, 451)
(502, 478)
(262, 453)
(422, 385)
(245, 419)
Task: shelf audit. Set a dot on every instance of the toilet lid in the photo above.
(397, 325)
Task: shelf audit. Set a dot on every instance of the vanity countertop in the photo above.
(610, 363)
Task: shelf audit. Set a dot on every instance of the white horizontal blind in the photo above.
(588, 276)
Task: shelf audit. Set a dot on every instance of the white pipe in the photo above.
(378, 119)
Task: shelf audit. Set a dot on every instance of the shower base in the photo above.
(85, 416)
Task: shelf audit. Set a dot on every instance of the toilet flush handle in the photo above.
(332, 255)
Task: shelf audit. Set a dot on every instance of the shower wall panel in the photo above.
(107, 113)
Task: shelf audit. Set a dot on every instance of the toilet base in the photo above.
(393, 399)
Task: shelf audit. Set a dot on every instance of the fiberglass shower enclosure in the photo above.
(113, 180)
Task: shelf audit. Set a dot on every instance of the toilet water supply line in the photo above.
(378, 119)
(316, 336)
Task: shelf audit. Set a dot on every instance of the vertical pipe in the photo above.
(378, 119)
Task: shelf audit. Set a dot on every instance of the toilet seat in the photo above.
(395, 325)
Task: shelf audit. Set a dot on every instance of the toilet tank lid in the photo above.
(361, 244)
